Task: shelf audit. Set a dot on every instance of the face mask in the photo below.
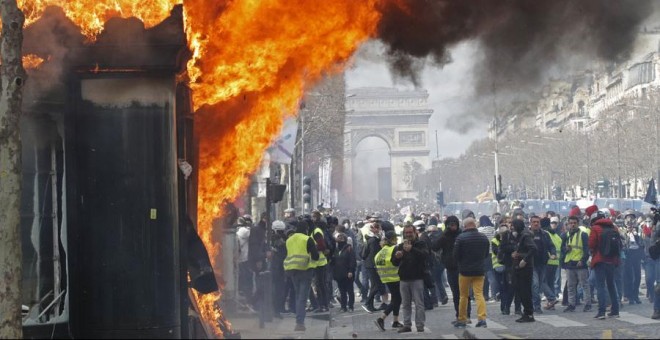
(515, 234)
(503, 229)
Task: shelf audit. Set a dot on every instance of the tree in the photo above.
(12, 78)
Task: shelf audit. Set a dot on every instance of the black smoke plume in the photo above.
(520, 40)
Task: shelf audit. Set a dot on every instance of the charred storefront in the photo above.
(109, 203)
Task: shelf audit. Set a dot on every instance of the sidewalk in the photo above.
(248, 325)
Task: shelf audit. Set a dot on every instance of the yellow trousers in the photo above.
(477, 285)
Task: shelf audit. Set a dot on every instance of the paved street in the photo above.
(635, 322)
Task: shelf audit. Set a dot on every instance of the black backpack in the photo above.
(610, 242)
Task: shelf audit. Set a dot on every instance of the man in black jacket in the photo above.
(523, 267)
(410, 257)
(545, 251)
(471, 250)
(445, 244)
(504, 245)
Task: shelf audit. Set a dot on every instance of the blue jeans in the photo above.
(494, 284)
(558, 280)
(537, 285)
(605, 284)
(438, 270)
(632, 276)
(302, 283)
(592, 282)
(618, 282)
(548, 284)
(649, 271)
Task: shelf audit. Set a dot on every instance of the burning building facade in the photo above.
(106, 215)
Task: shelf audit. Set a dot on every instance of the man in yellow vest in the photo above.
(574, 256)
(319, 266)
(553, 264)
(300, 253)
(389, 275)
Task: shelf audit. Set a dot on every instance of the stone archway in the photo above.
(400, 118)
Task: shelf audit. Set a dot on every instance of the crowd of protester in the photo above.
(391, 261)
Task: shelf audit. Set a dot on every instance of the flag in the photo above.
(281, 151)
(651, 193)
(485, 196)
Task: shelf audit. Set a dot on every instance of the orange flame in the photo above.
(91, 14)
(252, 61)
(32, 61)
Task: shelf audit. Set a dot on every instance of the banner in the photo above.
(282, 149)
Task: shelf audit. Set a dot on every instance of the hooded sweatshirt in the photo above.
(525, 245)
(446, 244)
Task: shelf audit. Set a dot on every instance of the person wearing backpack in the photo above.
(605, 246)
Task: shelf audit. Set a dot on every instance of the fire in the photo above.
(252, 63)
(91, 14)
(252, 60)
(32, 61)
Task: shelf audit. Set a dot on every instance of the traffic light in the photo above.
(440, 198)
(307, 190)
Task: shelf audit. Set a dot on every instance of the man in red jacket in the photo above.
(605, 246)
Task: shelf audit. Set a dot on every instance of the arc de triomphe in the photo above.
(401, 119)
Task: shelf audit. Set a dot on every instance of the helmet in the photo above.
(629, 212)
(605, 212)
(278, 225)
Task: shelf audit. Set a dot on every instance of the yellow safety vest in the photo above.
(386, 270)
(585, 230)
(556, 240)
(575, 242)
(322, 261)
(297, 257)
(496, 264)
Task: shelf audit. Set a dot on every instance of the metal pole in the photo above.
(57, 266)
(292, 181)
(269, 229)
(618, 157)
(657, 167)
(437, 149)
(302, 161)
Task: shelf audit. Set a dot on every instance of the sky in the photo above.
(449, 88)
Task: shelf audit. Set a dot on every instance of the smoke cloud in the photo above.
(520, 40)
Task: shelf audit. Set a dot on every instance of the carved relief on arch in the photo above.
(358, 135)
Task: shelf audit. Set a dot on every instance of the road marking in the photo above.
(558, 321)
(607, 334)
(636, 319)
(494, 325)
(449, 336)
(509, 336)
